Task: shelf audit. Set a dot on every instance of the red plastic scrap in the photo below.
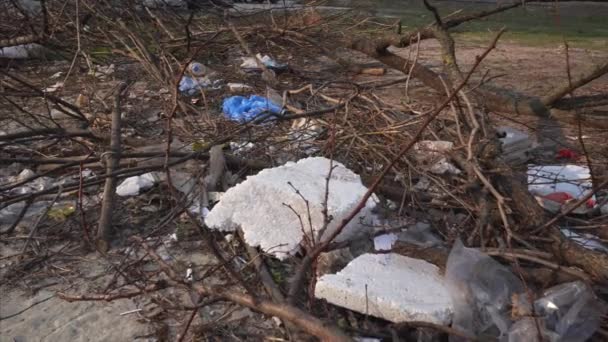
(566, 153)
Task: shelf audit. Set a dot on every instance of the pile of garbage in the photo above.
(475, 294)
(289, 170)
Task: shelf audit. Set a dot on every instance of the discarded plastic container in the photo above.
(197, 69)
(570, 312)
(240, 108)
(481, 290)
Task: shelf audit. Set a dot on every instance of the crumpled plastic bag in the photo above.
(240, 108)
(132, 186)
(481, 291)
(191, 85)
(570, 312)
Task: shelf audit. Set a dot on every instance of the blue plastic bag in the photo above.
(240, 108)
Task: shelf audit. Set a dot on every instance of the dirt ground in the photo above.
(537, 71)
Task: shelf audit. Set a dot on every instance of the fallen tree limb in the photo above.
(597, 71)
(21, 40)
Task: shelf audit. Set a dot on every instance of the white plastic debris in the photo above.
(238, 87)
(558, 185)
(54, 87)
(241, 147)
(385, 242)
(56, 75)
(277, 321)
(367, 339)
(432, 155)
(389, 286)
(516, 145)
(21, 51)
(38, 184)
(132, 186)
(266, 206)
(250, 63)
(588, 241)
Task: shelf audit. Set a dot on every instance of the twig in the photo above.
(27, 308)
(105, 220)
(26, 206)
(159, 285)
(40, 218)
(301, 319)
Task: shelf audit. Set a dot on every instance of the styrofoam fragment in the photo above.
(391, 286)
(266, 206)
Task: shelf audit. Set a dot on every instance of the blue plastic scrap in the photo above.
(240, 108)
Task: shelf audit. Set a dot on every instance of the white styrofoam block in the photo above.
(546, 179)
(133, 185)
(392, 286)
(259, 205)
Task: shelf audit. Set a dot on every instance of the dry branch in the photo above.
(299, 318)
(113, 159)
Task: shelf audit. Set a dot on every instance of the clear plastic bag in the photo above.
(570, 312)
(481, 290)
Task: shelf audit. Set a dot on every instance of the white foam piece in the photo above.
(266, 206)
(389, 286)
(133, 185)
